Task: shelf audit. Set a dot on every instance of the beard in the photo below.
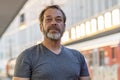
(53, 36)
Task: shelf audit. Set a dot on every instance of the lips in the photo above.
(53, 29)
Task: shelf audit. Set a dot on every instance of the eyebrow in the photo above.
(56, 16)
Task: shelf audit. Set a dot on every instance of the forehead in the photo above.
(52, 12)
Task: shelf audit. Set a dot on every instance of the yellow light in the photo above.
(73, 34)
(78, 31)
(38, 42)
(60, 2)
(115, 17)
(87, 27)
(108, 20)
(22, 26)
(100, 23)
(82, 29)
(93, 25)
(65, 36)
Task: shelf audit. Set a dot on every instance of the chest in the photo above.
(53, 66)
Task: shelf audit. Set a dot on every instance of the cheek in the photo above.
(43, 27)
(63, 27)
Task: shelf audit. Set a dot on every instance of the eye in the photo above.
(48, 19)
(58, 20)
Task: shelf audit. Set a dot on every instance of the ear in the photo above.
(41, 27)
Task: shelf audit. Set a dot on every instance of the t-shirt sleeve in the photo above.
(23, 66)
(84, 69)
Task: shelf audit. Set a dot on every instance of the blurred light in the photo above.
(93, 25)
(65, 36)
(100, 23)
(60, 2)
(115, 17)
(78, 31)
(108, 20)
(38, 42)
(87, 27)
(22, 26)
(82, 29)
(73, 34)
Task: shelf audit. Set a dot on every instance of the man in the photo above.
(50, 60)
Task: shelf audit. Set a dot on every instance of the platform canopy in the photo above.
(8, 11)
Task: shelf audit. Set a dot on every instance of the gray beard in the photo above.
(55, 36)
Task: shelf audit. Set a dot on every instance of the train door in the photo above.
(101, 58)
(95, 57)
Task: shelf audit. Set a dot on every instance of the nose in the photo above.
(53, 21)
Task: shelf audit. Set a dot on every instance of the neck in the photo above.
(52, 45)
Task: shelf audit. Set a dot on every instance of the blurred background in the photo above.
(92, 27)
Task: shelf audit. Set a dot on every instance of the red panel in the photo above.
(119, 73)
(118, 55)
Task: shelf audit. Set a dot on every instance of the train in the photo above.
(10, 66)
(102, 57)
(104, 62)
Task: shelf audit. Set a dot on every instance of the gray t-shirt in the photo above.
(39, 63)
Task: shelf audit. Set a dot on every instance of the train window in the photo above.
(113, 52)
(101, 58)
(89, 57)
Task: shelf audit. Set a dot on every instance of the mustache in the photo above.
(53, 28)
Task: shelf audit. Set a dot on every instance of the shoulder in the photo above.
(28, 53)
(76, 53)
(29, 50)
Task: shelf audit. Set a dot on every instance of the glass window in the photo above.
(22, 18)
(101, 58)
(89, 57)
(113, 52)
(22, 21)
